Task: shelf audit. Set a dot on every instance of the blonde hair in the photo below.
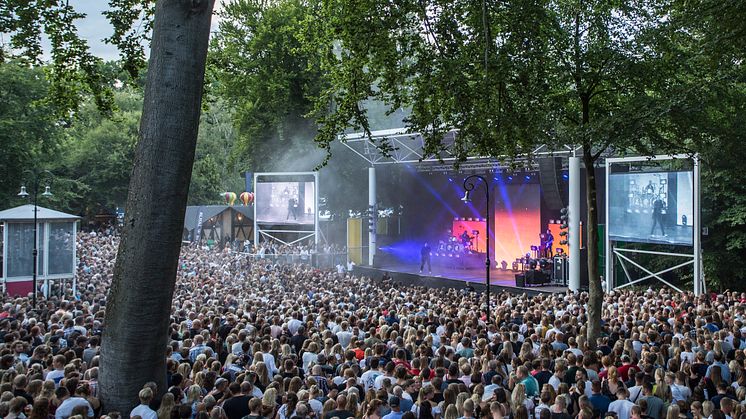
(518, 396)
(194, 393)
(167, 406)
(270, 397)
(451, 412)
(707, 408)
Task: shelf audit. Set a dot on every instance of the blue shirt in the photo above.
(394, 415)
(196, 351)
(600, 403)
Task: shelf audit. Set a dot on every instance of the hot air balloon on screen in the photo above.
(245, 198)
(230, 198)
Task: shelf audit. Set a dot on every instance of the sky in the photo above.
(95, 27)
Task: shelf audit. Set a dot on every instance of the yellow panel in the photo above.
(355, 240)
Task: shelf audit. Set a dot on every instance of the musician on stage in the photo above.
(658, 207)
(465, 239)
(548, 243)
(425, 258)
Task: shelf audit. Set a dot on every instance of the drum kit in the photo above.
(454, 245)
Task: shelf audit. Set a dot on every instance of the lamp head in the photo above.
(47, 193)
(23, 193)
(467, 196)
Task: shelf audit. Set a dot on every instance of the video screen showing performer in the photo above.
(651, 207)
(285, 202)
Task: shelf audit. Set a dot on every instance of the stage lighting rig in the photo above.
(564, 231)
(372, 215)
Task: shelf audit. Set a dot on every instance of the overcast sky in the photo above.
(95, 27)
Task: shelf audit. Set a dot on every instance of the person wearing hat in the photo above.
(221, 384)
(396, 412)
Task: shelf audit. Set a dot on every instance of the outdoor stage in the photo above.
(442, 277)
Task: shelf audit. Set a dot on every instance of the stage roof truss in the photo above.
(396, 146)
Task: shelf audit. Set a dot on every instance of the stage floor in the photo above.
(499, 279)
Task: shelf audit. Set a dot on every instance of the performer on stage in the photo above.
(425, 258)
(292, 209)
(547, 251)
(465, 239)
(658, 216)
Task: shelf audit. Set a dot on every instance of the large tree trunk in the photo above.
(139, 301)
(595, 292)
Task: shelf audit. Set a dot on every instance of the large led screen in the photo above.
(517, 220)
(285, 202)
(651, 207)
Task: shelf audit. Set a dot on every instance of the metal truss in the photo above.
(619, 253)
(406, 147)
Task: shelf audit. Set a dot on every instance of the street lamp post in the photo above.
(36, 176)
(469, 186)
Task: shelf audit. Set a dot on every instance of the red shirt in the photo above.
(625, 370)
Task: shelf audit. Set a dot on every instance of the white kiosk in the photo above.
(56, 248)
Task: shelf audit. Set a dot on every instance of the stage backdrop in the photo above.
(517, 218)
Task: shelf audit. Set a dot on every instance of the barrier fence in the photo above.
(317, 260)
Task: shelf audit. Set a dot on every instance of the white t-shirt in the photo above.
(622, 408)
(67, 406)
(56, 376)
(368, 379)
(308, 359)
(144, 411)
(555, 382)
(679, 392)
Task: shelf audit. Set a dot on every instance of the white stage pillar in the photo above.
(697, 231)
(573, 218)
(374, 213)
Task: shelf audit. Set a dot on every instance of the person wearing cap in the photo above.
(394, 404)
(221, 384)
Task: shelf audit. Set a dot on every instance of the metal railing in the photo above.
(317, 260)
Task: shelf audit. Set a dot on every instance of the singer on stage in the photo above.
(425, 258)
(548, 243)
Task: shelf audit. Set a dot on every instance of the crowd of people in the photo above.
(250, 338)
